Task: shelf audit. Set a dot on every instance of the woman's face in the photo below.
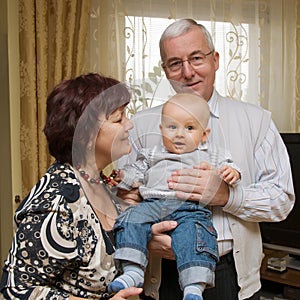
(112, 140)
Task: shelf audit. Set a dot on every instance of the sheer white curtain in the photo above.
(256, 40)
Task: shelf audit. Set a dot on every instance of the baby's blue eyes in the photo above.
(173, 127)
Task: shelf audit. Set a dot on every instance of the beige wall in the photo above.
(10, 178)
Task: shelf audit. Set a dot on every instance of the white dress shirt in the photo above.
(265, 192)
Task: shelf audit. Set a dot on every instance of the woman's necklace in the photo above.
(102, 179)
(108, 182)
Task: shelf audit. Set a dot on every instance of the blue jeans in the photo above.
(193, 240)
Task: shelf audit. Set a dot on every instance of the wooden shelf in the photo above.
(290, 277)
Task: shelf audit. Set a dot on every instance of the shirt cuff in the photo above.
(235, 201)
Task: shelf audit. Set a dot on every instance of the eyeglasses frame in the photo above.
(164, 65)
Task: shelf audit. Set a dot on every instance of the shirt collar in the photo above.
(214, 104)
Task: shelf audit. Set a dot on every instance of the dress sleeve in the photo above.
(45, 243)
(35, 265)
(58, 248)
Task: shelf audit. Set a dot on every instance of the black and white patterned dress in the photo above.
(59, 248)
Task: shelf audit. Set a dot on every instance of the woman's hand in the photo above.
(122, 295)
(160, 244)
(202, 183)
(126, 293)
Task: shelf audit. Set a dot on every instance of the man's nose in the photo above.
(187, 69)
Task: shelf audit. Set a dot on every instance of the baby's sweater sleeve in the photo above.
(134, 173)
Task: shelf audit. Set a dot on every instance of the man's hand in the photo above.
(160, 244)
(202, 183)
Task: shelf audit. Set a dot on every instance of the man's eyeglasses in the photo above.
(196, 61)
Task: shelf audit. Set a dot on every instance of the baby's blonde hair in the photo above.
(195, 105)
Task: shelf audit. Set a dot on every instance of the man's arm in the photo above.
(269, 198)
(202, 183)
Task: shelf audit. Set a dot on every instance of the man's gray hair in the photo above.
(181, 27)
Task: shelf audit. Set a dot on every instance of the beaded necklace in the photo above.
(103, 179)
(108, 183)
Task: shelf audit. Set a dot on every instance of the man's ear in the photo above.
(205, 135)
(216, 57)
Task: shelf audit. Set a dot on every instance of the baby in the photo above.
(184, 133)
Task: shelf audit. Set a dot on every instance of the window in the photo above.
(256, 40)
(144, 73)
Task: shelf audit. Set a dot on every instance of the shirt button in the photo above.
(153, 280)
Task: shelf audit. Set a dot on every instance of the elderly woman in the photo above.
(62, 248)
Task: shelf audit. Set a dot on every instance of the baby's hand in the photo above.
(229, 174)
(115, 177)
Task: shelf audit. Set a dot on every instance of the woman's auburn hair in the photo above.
(66, 105)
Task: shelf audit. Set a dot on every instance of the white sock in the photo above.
(133, 275)
(194, 291)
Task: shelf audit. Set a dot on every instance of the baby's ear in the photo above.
(205, 135)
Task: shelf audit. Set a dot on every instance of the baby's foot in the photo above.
(115, 286)
(194, 291)
(192, 297)
(132, 277)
